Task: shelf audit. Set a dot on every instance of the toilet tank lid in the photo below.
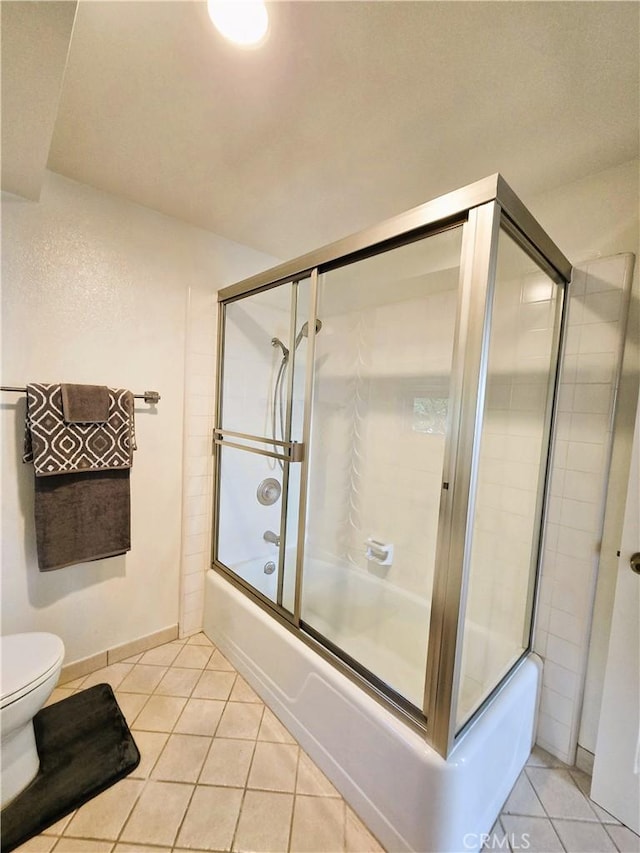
(26, 658)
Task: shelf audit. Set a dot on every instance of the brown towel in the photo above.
(85, 404)
(81, 517)
(82, 498)
(57, 447)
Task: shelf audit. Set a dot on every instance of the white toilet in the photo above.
(31, 665)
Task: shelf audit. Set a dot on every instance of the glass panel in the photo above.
(242, 520)
(257, 493)
(512, 456)
(256, 329)
(381, 393)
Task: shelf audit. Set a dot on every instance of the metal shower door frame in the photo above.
(483, 209)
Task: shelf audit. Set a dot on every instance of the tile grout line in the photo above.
(293, 801)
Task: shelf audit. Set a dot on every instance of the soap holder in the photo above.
(379, 552)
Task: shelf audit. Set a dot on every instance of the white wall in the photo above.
(95, 290)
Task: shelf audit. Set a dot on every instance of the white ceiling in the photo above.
(350, 113)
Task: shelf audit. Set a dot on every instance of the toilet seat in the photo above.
(27, 661)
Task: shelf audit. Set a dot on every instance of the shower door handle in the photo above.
(292, 451)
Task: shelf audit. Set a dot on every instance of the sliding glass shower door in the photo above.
(382, 437)
(378, 428)
(258, 433)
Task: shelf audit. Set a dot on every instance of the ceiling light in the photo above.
(244, 22)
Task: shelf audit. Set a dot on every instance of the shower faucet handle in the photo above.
(270, 536)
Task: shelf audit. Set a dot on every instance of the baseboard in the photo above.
(85, 666)
(584, 760)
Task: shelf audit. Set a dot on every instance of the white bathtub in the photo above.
(407, 794)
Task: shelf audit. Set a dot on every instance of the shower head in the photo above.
(304, 332)
(276, 342)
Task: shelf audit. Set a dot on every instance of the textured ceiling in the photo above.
(350, 113)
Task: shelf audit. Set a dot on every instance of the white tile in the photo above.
(211, 819)
(113, 675)
(162, 655)
(558, 707)
(194, 543)
(592, 398)
(583, 486)
(196, 505)
(578, 544)
(311, 780)
(197, 467)
(541, 758)
(38, 844)
(142, 679)
(533, 834)
(243, 692)
(228, 762)
(131, 704)
(240, 720)
(553, 736)
(274, 767)
(560, 679)
(150, 745)
(599, 337)
(197, 446)
(358, 839)
(583, 456)
(596, 367)
(580, 836)
(214, 684)
(158, 813)
(567, 626)
(592, 428)
(193, 583)
(159, 714)
(194, 563)
(271, 729)
(565, 653)
(195, 657)
(605, 274)
(193, 601)
(559, 795)
(82, 845)
(200, 717)
(191, 621)
(103, 816)
(523, 799)
(181, 758)
(625, 840)
(264, 823)
(197, 486)
(318, 825)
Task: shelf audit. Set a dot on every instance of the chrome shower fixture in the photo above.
(304, 331)
(268, 491)
(276, 342)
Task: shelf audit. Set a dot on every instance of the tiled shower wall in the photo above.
(597, 319)
(200, 362)
(380, 409)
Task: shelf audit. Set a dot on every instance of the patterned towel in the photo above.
(57, 447)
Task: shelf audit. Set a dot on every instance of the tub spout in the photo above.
(270, 536)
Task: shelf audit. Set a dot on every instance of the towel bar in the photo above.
(148, 396)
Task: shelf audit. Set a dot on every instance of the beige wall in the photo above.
(94, 289)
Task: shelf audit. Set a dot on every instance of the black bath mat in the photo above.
(85, 746)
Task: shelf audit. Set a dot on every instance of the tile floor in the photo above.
(219, 772)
